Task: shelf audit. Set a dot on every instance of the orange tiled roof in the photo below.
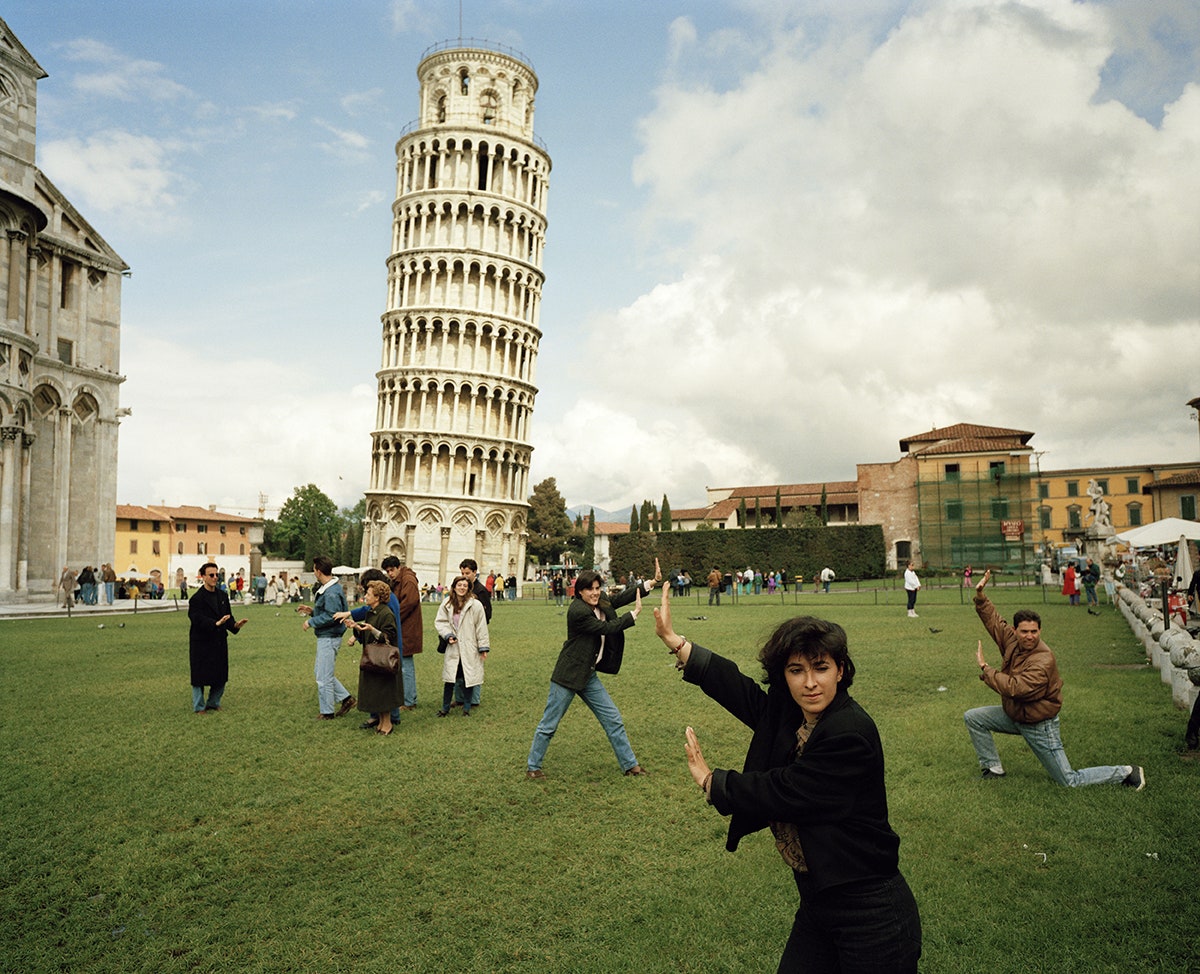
(610, 527)
(136, 513)
(1189, 479)
(965, 438)
(189, 512)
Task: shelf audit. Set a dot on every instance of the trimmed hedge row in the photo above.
(852, 550)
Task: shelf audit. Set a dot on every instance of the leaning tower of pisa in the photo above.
(450, 451)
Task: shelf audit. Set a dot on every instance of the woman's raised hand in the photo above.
(662, 620)
(637, 603)
(695, 758)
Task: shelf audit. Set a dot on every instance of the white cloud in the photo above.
(346, 143)
(945, 227)
(116, 172)
(119, 76)
(288, 423)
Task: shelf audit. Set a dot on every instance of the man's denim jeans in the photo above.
(330, 691)
(1043, 739)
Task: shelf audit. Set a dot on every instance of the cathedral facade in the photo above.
(60, 289)
(450, 450)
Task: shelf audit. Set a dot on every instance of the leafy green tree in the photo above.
(802, 517)
(757, 512)
(634, 524)
(742, 513)
(352, 532)
(778, 509)
(588, 559)
(308, 525)
(664, 522)
(549, 524)
(644, 517)
(824, 505)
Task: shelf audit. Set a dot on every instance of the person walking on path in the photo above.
(912, 585)
(1090, 578)
(66, 584)
(714, 586)
(208, 641)
(1031, 696)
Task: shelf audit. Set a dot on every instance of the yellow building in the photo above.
(170, 539)
(142, 540)
(1137, 494)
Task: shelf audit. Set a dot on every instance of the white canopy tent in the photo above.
(1170, 530)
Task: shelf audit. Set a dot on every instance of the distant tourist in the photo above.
(208, 641)
(333, 699)
(912, 585)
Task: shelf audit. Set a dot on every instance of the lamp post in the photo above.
(1195, 404)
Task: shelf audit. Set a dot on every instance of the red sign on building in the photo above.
(1012, 530)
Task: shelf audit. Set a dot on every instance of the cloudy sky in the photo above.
(782, 235)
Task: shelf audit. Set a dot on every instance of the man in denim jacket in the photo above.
(327, 600)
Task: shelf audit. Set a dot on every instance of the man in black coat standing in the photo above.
(208, 642)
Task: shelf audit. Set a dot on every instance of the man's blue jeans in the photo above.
(409, 672)
(109, 588)
(600, 703)
(330, 691)
(1043, 739)
(214, 698)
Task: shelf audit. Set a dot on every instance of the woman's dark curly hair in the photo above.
(810, 637)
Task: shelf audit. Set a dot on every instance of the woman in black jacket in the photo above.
(814, 775)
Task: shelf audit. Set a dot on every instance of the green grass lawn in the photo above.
(135, 836)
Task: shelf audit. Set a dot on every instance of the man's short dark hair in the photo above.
(1026, 615)
(374, 575)
(391, 561)
(323, 565)
(206, 566)
(469, 563)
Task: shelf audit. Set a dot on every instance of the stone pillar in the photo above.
(23, 515)
(62, 467)
(16, 258)
(9, 505)
(410, 543)
(444, 554)
(34, 255)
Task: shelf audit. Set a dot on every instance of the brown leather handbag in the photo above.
(380, 658)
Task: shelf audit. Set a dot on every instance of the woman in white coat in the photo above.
(461, 620)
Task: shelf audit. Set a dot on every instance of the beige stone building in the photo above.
(60, 290)
(966, 494)
(450, 450)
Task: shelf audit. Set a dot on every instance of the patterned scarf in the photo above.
(787, 836)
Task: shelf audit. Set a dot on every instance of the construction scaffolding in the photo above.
(983, 519)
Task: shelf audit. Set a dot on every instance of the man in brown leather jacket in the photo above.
(1031, 696)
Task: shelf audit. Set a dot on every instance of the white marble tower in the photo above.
(450, 451)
